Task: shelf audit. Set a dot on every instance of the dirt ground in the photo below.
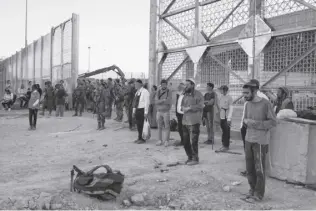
(35, 165)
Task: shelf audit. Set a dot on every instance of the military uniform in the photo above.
(79, 96)
(100, 106)
(119, 101)
(129, 97)
(110, 103)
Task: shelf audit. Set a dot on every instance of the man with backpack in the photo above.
(163, 104)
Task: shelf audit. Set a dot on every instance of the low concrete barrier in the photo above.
(292, 151)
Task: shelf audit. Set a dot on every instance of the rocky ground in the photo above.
(35, 170)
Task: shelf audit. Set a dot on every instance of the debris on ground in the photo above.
(236, 183)
(104, 145)
(127, 203)
(138, 199)
(164, 170)
(226, 188)
(162, 180)
(90, 141)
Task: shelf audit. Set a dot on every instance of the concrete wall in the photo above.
(292, 152)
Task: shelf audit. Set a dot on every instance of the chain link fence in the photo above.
(53, 57)
(225, 62)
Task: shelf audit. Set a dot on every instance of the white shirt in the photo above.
(143, 100)
(179, 104)
(259, 94)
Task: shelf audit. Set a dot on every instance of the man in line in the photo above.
(259, 118)
(243, 129)
(192, 106)
(110, 103)
(140, 109)
(48, 98)
(129, 96)
(79, 96)
(226, 112)
(163, 103)
(208, 112)
(101, 99)
(283, 100)
(119, 100)
(179, 112)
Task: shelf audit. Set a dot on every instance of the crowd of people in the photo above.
(191, 108)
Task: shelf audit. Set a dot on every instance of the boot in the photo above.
(75, 114)
(99, 126)
(102, 126)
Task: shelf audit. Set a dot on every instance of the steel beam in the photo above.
(158, 75)
(292, 64)
(306, 4)
(176, 28)
(223, 21)
(235, 101)
(178, 68)
(169, 6)
(227, 68)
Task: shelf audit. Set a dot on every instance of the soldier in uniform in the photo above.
(100, 106)
(48, 98)
(119, 100)
(110, 103)
(129, 97)
(79, 96)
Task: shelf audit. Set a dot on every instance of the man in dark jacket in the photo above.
(283, 100)
(48, 98)
(60, 100)
(129, 96)
(179, 112)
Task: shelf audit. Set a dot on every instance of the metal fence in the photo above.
(288, 58)
(51, 58)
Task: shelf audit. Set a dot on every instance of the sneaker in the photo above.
(188, 161)
(223, 149)
(136, 140)
(159, 143)
(177, 144)
(210, 142)
(166, 143)
(142, 141)
(193, 162)
(102, 128)
(30, 128)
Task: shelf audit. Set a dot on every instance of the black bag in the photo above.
(173, 125)
(307, 114)
(106, 185)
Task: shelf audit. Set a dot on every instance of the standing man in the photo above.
(259, 118)
(192, 106)
(119, 100)
(179, 112)
(48, 98)
(109, 107)
(283, 100)
(226, 112)
(208, 112)
(243, 129)
(100, 106)
(140, 109)
(163, 103)
(79, 96)
(129, 103)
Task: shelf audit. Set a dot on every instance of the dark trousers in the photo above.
(131, 120)
(79, 106)
(191, 135)
(140, 118)
(7, 104)
(255, 165)
(180, 126)
(225, 133)
(243, 132)
(33, 117)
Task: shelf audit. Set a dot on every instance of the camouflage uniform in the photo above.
(119, 101)
(100, 106)
(129, 96)
(110, 103)
(79, 96)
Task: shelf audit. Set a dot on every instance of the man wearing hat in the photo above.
(259, 118)
(283, 100)
(192, 107)
(226, 112)
(140, 109)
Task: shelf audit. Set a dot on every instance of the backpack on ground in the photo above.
(106, 185)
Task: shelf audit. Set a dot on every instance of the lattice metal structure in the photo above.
(288, 59)
(52, 57)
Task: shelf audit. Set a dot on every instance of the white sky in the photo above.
(116, 30)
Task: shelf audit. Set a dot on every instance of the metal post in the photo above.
(89, 48)
(34, 47)
(254, 40)
(74, 53)
(26, 50)
(51, 52)
(62, 27)
(153, 43)
(41, 71)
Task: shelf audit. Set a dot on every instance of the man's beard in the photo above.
(188, 89)
(249, 98)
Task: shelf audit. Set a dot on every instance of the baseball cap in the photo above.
(253, 83)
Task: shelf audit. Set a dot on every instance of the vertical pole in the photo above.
(26, 50)
(22, 68)
(254, 40)
(153, 43)
(42, 60)
(89, 49)
(74, 53)
(51, 53)
(34, 60)
(62, 27)
(16, 71)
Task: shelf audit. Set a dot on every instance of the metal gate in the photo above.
(283, 53)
